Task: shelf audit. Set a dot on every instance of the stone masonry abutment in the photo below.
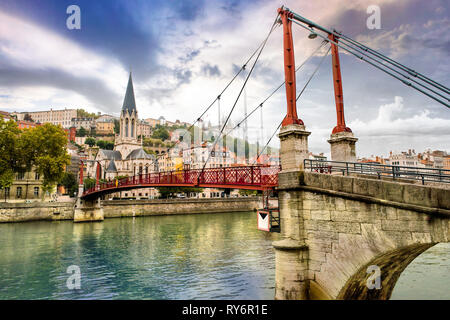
(335, 227)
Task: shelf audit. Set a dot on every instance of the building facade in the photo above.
(104, 127)
(86, 123)
(26, 186)
(128, 157)
(144, 129)
(57, 117)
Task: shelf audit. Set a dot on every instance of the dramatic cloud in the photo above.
(183, 53)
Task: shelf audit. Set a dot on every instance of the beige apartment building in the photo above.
(86, 123)
(57, 117)
(104, 127)
(144, 129)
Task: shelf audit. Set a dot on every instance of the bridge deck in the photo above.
(245, 177)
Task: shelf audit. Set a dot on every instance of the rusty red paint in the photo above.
(289, 69)
(338, 92)
(245, 177)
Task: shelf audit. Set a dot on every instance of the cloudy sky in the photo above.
(182, 53)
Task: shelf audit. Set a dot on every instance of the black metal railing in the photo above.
(380, 170)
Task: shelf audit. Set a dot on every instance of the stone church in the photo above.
(128, 157)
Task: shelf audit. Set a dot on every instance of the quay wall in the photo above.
(51, 211)
(128, 208)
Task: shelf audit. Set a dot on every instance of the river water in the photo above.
(206, 256)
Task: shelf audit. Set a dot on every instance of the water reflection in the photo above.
(427, 277)
(206, 256)
(209, 256)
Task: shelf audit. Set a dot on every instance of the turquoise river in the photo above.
(206, 256)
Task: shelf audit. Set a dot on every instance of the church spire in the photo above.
(129, 102)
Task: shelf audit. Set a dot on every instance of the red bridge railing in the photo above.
(245, 177)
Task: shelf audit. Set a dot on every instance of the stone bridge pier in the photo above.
(335, 227)
(87, 210)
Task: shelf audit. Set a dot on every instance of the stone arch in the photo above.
(391, 265)
(126, 127)
(132, 127)
(331, 236)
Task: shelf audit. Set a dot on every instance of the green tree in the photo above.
(88, 183)
(165, 192)
(42, 147)
(82, 132)
(27, 117)
(10, 157)
(116, 126)
(90, 141)
(248, 192)
(107, 145)
(161, 133)
(69, 181)
(81, 113)
(45, 148)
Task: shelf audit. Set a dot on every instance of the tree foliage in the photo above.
(166, 192)
(161, 133)
(82, 132)
(81, 113)
(10, 158)
(42, 147)
(90, 141)
(45, 148)
(107, 145)
(88, 183)
(248, 192)
(69, 181)
(27, 117)
(116, 126)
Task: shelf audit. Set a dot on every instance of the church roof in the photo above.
(129, 103)
(112, 154)
(139, 154)
(111, 167)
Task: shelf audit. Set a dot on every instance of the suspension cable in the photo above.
(220, 94)
(393, 62)
(301, 92)
(376, 66)
(274, 91)
(240, 92)
(273, 135)
(312, 24)
(312, 75)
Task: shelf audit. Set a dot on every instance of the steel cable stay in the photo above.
(239, 95)
(223, 91)
(376, 66)
(275, 90)
(299, 95)
(393, 62)
(314, 73)
(396, 71)
(270, 139)
(341, 36)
